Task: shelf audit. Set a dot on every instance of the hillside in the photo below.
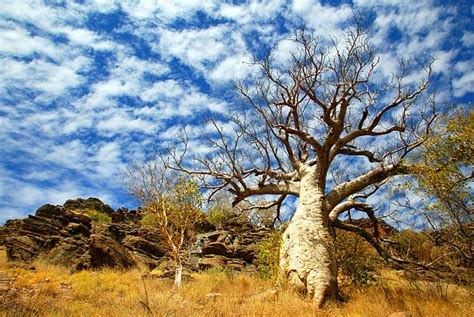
(86, 259)
(53, 291)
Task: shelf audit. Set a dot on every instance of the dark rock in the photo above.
(123, 215)
(21, 248)
(238, 223)
(88, 204)
(145, 244)
(246, 243)
(221, 262)
(106, 252)
(71, 252)
(234, 249)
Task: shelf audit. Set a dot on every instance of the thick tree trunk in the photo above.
(307, 255)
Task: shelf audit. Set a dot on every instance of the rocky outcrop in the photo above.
(233, 248)
(146, 244)
(105, 251)
(60, 235)
(88, 204)
(66, 235)
(123, 215)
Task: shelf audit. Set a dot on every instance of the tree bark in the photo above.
(178, 275)
(307, 254)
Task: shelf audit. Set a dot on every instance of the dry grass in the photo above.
(53, 291)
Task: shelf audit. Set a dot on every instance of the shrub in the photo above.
(218, 215)
(415, 245)
(99, 217)
(357, 261)
(268, 255)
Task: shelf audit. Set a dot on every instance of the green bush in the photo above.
(268, 255)
(357, 261)
(99, 217)
(218, 215)
(416, 246)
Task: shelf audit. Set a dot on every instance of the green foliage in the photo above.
(218, 213)
(268, 255)
(96, 216)
(357, 261)
(416, 246)
(99, 217)
(445, 162)
(150, 220)
(171, 202)
(175, 209)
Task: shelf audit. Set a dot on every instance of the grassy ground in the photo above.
(53, 291)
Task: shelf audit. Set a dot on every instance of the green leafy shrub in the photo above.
(268, 255)
(416, 246)
(99, 217)
(218, 215)
(357, 261)
(96, 216)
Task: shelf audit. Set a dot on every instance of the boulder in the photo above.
(146, 244)
(106, 252)
(21, 248)
(222, 262)
(71, 252)
(124, 215)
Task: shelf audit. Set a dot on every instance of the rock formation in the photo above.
(63, 236)
(70, 235)
(232, 248)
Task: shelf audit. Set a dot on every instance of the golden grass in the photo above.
(53, 291)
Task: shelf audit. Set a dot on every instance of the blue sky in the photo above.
(86, 87)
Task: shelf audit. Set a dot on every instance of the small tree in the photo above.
(447, 160)
(171, 203)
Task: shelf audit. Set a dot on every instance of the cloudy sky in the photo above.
(86, 87)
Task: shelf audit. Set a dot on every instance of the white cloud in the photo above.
(283, 50)
(166, 11)
(122, 123)
(252, 11)
(443, 62)
(69, 154)
(51, 80)
(28, 194)
(102, 6)
(232, 68)
(18, 42)
(163, 89)
(194, 47)
(468, 39)
(84, 37)
(215, 52)
(323, 19)
(464, 84)
(64, 125)
(108, 159)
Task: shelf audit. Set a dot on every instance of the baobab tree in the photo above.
(322, 112)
